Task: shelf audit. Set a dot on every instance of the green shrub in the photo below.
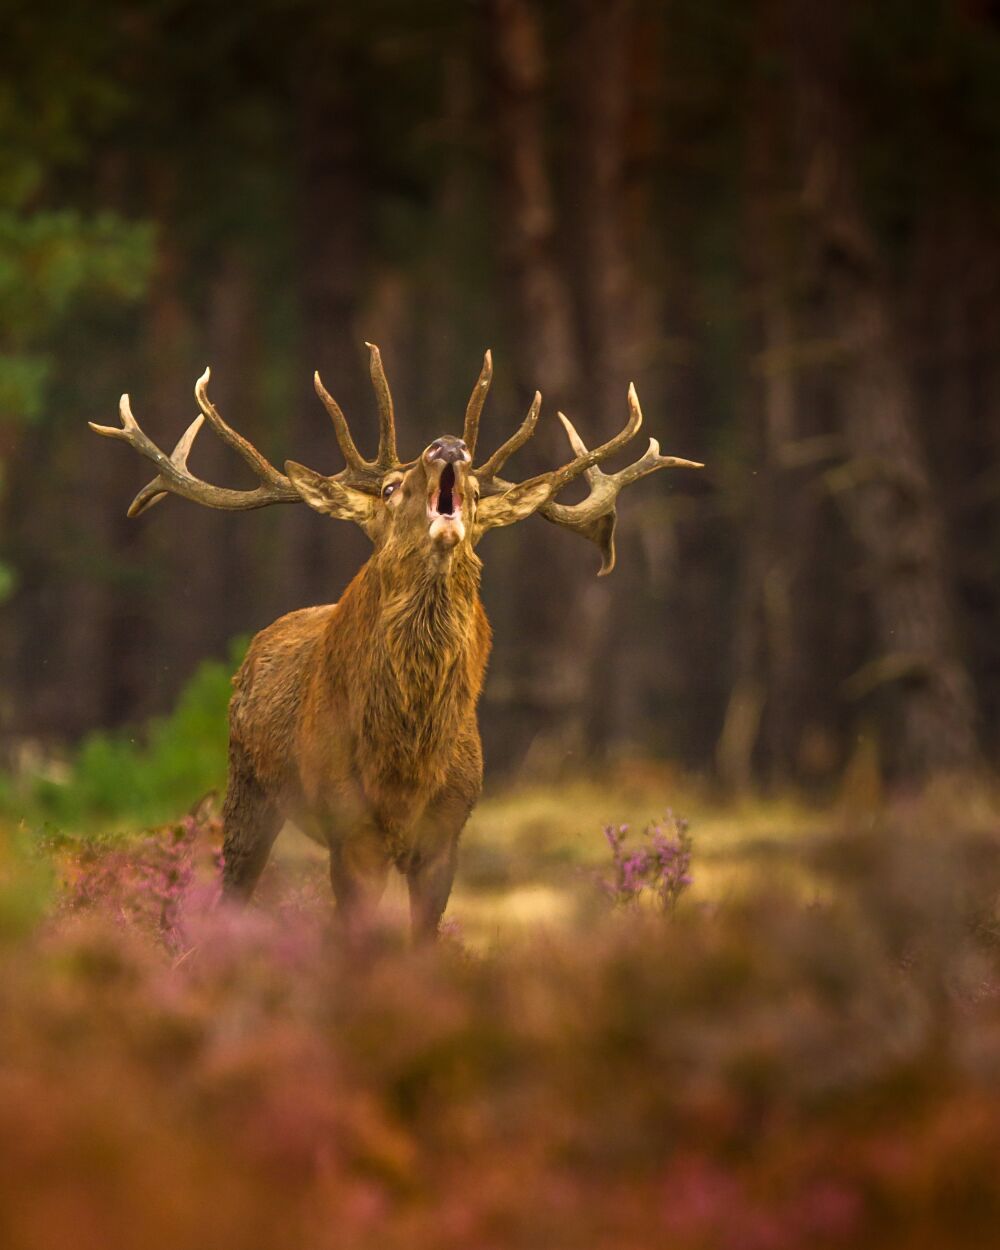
(150, 776)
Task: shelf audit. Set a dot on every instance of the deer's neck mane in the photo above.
(423, 655)
(424, 614)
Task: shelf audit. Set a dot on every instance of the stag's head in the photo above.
(434, 507)
(430, 506)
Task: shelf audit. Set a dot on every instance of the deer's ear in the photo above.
(326, 494)
(513, 505)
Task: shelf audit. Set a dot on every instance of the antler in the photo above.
(386, 458)
(173, 476)
(365, 474)
(476, 400)
(594, 517)
(487, 474)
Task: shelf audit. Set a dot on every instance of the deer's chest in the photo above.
(412, 720)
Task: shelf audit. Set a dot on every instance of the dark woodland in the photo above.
(713, 960)
(778, 219)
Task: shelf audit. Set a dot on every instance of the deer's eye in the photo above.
(389, 488)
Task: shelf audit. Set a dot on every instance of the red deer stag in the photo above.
(357, 720)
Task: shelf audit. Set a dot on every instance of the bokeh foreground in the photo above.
(807, 1057)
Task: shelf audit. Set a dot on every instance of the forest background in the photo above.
(777, 1027)
(778, 217)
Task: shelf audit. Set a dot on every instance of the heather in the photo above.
(805, 1052)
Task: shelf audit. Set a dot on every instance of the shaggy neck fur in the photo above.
(422, 679)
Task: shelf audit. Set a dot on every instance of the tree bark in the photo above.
(334, 235)
(605, 220)
(886, 488)
(544, 703)
(954, 297)
(210, 575)
(773, 728)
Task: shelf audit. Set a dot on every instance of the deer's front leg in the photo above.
(429, 882)
(431, 870)
(359, 867)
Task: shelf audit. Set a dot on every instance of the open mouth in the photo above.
(446, 501)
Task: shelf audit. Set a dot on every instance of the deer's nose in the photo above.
(449, 449)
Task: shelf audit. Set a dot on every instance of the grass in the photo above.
(527, 847)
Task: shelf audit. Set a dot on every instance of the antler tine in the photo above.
(345, 442)
(595, 516)
(129, 430)
(173, 476)
(516, 441)
(587, 460)
(153, 492)
(474, 408)
(387, 457)
(260, 466)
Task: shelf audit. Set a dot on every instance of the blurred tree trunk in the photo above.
(547, 340)
(318, 557)
(769, 707)
(63, 666)
(87, 623)
(169, 546)
(209, 581)
(647, 601)
(57, 646)
(885, 486)
(546, 704)
(603, 69)
(954, 322)
(585, 333)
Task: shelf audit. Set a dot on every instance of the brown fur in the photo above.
(358, 721)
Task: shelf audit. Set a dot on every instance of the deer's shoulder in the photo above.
(287, 637)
